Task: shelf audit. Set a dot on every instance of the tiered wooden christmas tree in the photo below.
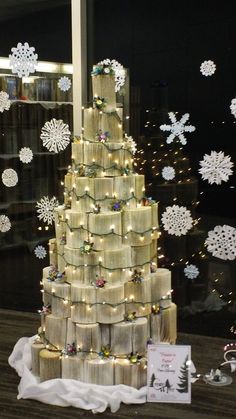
(104, 297)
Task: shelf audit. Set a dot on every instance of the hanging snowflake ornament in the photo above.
(208, 68)
(46, 208)
(64, 84)
(108, 66)
(5, 223)
(4, 101)
(177, 128)
(168, 172)
(23, 60)
(130, 144)
(191, 271)
(216, 167)
(55, 135)
(221, 242)
(40, 252)
(9, 178)
(177, 220)
(25, 155)
(233, 107)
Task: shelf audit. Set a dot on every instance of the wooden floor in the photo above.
(207, 402)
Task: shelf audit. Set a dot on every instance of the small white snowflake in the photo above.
(130, 144)
(25, 155)
(9, 178)
(208, 68)
(46, 208)
(221, 242)
(55, 135)
(191, 271)
(168, 172)
(177, 220)
(23, 60)
(177, 128)
(216, 167)
(64, 83)
(233, 107)
(119, 72)
(4, 101)
(40, 252)
(5, 223)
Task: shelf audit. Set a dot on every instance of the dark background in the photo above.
(159, 42)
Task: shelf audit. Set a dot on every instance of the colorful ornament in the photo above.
(99, 102)
(102, 137)
(155, 309)
(137, 277)
(130, 316)
(100, 282)
(87, 247)
(105, 351)
(117, 205)
(69, 350)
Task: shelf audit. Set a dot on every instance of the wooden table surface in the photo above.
(208, 402)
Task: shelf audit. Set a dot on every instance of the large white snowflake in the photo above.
(46, 208)
(233, 107)
(23, 60)
(55, 135)
(5, 223)
(191, 271)
(168, 172)
(40, 252)
(25, 155)
(64, 83)
(130, 144)
(208, 68)
(118, 70)
(177, 220)
(4, 101)
(177, 128)
(216, 167)
(9, 178)
(221, 242)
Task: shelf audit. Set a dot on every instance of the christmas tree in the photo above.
(184, 378)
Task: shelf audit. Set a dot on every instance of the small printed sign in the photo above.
(168, 373)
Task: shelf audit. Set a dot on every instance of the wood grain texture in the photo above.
(207, 402)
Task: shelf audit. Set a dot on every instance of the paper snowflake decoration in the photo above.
(23, 60)
(4, 101)
(177, 220)
(25, 155)
(177, 128)
(64, 84)
(168, 173)
(208, 68)
(55, 135)
(233, 107)
(221, 242)
(216, 167)
(130, 144)
(118, 70)
(5, 223)
(191, 271)
(40, 252)
(9, 178)
(46, 208)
